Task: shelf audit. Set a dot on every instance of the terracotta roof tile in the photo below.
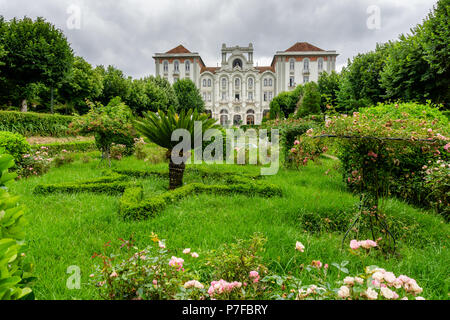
(179, 49)
(303, 46)
(210, 69)
(264, 69)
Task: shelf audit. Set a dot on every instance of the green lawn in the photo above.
(66, 229)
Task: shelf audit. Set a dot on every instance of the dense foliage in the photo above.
(310, 102)
(35, 124)
(14, 271)
(14, 144)
(374, 163)
(360, 81)
(109, 124)
(188, 96)
(37, 52)
(285, 103)
(83, 83)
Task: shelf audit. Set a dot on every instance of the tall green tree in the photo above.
(165, 85)
(188, 96)
(37, 52)
(83, 83)
(151, 94)
(360, 84)
(310, 103)
(329, 88)
(418, 66)
(115, 84)
(285, 103)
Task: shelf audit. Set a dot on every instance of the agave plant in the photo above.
(158, 128)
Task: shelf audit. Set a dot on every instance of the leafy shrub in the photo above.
(437, 183)
(139, 148)
(34, 164)
(306, 149)
(235, 261)
(64, 158)
(290, 129)
(310, 103)
(109, 124)
(118, 151)
(391, 167)
(35, 124)
(154, 274)
(15, 145)
(15, 271)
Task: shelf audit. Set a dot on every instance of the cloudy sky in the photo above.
(126, 33)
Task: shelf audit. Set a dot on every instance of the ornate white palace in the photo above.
(238, 92)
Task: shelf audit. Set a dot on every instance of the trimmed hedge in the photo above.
(203, 172)
(114, 188)
(35, 124)
(111, 184)
(77, 146)
(132, 206)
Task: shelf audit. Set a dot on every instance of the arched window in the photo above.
(320, 64)
(270, 83)
(250, 83)
(292, 64)
(306, 65)
(204, 82)
(176, 66)
(224, 83)
(224, 111)
(166, 66)
(265, 82)
(209, 83)
(188, 66)
(237, 63)
(237, 82)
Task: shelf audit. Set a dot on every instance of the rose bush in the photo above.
(237, 272)
(109, 124)
(393, 144)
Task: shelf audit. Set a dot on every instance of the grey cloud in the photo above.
(126, 33)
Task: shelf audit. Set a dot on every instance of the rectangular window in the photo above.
(204, 96)
(270, 96)
(224, 96)
(250, 96)
(305, 79)
(291, 82)
(237, 97)
(265, 96)
(209, 96)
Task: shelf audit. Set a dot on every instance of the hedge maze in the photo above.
(134, 205)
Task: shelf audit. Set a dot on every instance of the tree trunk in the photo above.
(51, 100)
(24, 106)
(176, 172)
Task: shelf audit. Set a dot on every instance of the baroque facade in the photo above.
(237, 91)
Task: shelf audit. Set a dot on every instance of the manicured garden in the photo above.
(68, 229)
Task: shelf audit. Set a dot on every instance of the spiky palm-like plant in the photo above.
(158, 128)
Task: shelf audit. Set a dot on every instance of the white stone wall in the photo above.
(280, 79)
